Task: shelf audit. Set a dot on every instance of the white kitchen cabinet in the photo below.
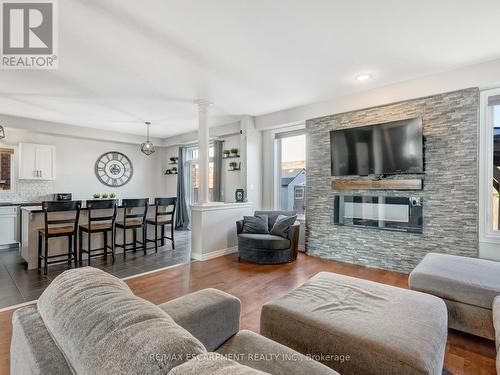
(8, 225)
(46, 161)
(37, 162)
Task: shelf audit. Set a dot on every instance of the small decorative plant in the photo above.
(96, 195)
(112, 195)
(233, 165)
(168, 171)
(174, 170)
(235, 151)
(227, 153)
(174, 159)
(105, 196)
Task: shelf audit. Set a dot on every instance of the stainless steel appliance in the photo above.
(61, 197)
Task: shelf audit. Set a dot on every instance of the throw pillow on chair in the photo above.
(282, 224)
(257, 224)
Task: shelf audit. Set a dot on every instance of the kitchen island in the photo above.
(33, 220)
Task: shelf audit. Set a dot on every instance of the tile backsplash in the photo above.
(28, 191)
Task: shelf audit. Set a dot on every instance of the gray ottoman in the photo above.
(467, 286)
(360, 327)
(496, 323)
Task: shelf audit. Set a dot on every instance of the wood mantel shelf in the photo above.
(401, 184)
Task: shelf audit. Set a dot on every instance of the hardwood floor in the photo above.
(18, 284)
(256, 284)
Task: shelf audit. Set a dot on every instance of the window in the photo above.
(493, 123)
(496, 166)
(194, 174)
(6, 169)
(490, 164)
(291, 156)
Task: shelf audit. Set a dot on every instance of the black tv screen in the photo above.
(389, 148)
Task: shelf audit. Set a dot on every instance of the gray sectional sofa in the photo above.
(89, 322)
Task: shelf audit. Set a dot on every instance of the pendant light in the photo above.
(147, 147)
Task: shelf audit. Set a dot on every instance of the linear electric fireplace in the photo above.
(403, 214)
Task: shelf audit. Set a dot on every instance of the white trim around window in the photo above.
(489, 239)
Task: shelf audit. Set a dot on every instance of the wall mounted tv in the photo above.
(389, 148)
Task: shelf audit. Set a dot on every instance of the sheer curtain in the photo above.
(182, 215)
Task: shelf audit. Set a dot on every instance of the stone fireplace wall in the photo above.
(450, 194)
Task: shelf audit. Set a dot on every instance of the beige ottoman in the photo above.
(360, 327)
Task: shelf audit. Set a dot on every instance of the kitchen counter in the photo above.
(38, 208)
(19, 204)
(33, 220)
(32, 209)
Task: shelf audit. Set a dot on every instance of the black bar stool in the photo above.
(134, 222)
(163, 218)
(56, 228)
(99, 224)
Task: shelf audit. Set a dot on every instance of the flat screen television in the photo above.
(389, 148)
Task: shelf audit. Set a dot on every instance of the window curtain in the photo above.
(182, 215)
(217, 182)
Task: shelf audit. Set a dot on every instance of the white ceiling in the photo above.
(122, 62)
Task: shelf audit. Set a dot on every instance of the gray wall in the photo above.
(450, 194)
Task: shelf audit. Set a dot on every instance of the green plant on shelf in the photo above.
(233, 166)
(235, 152)
(112, 195)
(105, 196)
(96, 195)
(227, 153)
(174, 159)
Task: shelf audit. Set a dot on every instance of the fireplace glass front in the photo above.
(403, 214)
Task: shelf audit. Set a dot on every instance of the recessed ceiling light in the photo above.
(363, 77)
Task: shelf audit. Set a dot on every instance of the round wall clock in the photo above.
(113, 169)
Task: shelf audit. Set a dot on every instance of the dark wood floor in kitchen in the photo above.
(18, 284)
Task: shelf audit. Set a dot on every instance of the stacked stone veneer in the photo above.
(450, 194)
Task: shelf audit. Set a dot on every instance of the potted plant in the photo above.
(227, 153)
(173, 159)
(168, 171)
(96, 195)
(105, 195)
(233, 165)
(112, 195)
(235, 151)
(174, 170)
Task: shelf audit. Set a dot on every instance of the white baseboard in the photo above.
(215, 254)
(15, 307)
(489, 251)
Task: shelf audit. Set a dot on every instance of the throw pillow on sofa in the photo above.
(282, 224)
(257, 224)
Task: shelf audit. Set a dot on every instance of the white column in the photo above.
(203, 148)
